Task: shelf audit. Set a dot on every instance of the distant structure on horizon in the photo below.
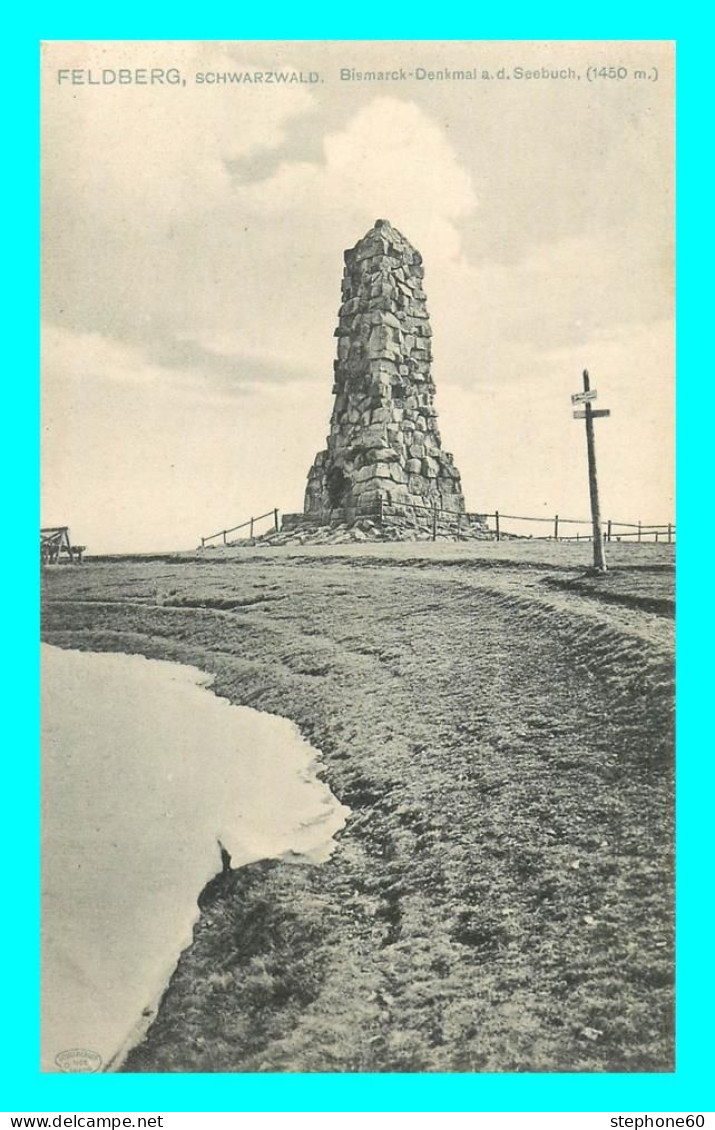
(54, 541)
(384, 453)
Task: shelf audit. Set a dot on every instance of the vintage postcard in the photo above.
(357, 553)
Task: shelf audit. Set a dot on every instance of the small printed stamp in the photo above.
(78, 1060)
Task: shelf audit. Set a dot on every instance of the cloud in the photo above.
(240, 271)
(140, 154)
(520, 450)
(142, 456)
(503, 324)
(180, 367)
(82, 359)
(391, 160)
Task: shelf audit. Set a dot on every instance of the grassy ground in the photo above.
(501, 727)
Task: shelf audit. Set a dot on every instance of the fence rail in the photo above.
(610, 528)
(250, 523)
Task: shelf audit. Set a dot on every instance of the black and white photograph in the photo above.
(357, 556)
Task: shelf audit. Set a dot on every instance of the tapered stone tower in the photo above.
(384, 452)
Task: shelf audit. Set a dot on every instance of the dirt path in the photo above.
(500, 899)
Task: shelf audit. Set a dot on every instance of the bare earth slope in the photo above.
(501, 898)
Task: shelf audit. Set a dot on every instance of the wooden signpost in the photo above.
(589, 414)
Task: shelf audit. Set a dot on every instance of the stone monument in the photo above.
(384, 453)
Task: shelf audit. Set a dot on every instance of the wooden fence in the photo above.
(249, 524)
(611, 530)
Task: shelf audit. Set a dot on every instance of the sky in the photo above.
(193, 239)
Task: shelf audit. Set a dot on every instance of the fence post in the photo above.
(251, 533)
(556, 528)
(434, 524)
(639, 531)
(656, 535)
(202, 542)
(608, 533)
(275, 519)
(224, 537)
(496, 522)
(670, 533)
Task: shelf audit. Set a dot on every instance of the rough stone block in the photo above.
(381, 455)
(380, 416)
(385, 470)
(430, 467)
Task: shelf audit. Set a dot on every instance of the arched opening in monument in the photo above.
(338, 488)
